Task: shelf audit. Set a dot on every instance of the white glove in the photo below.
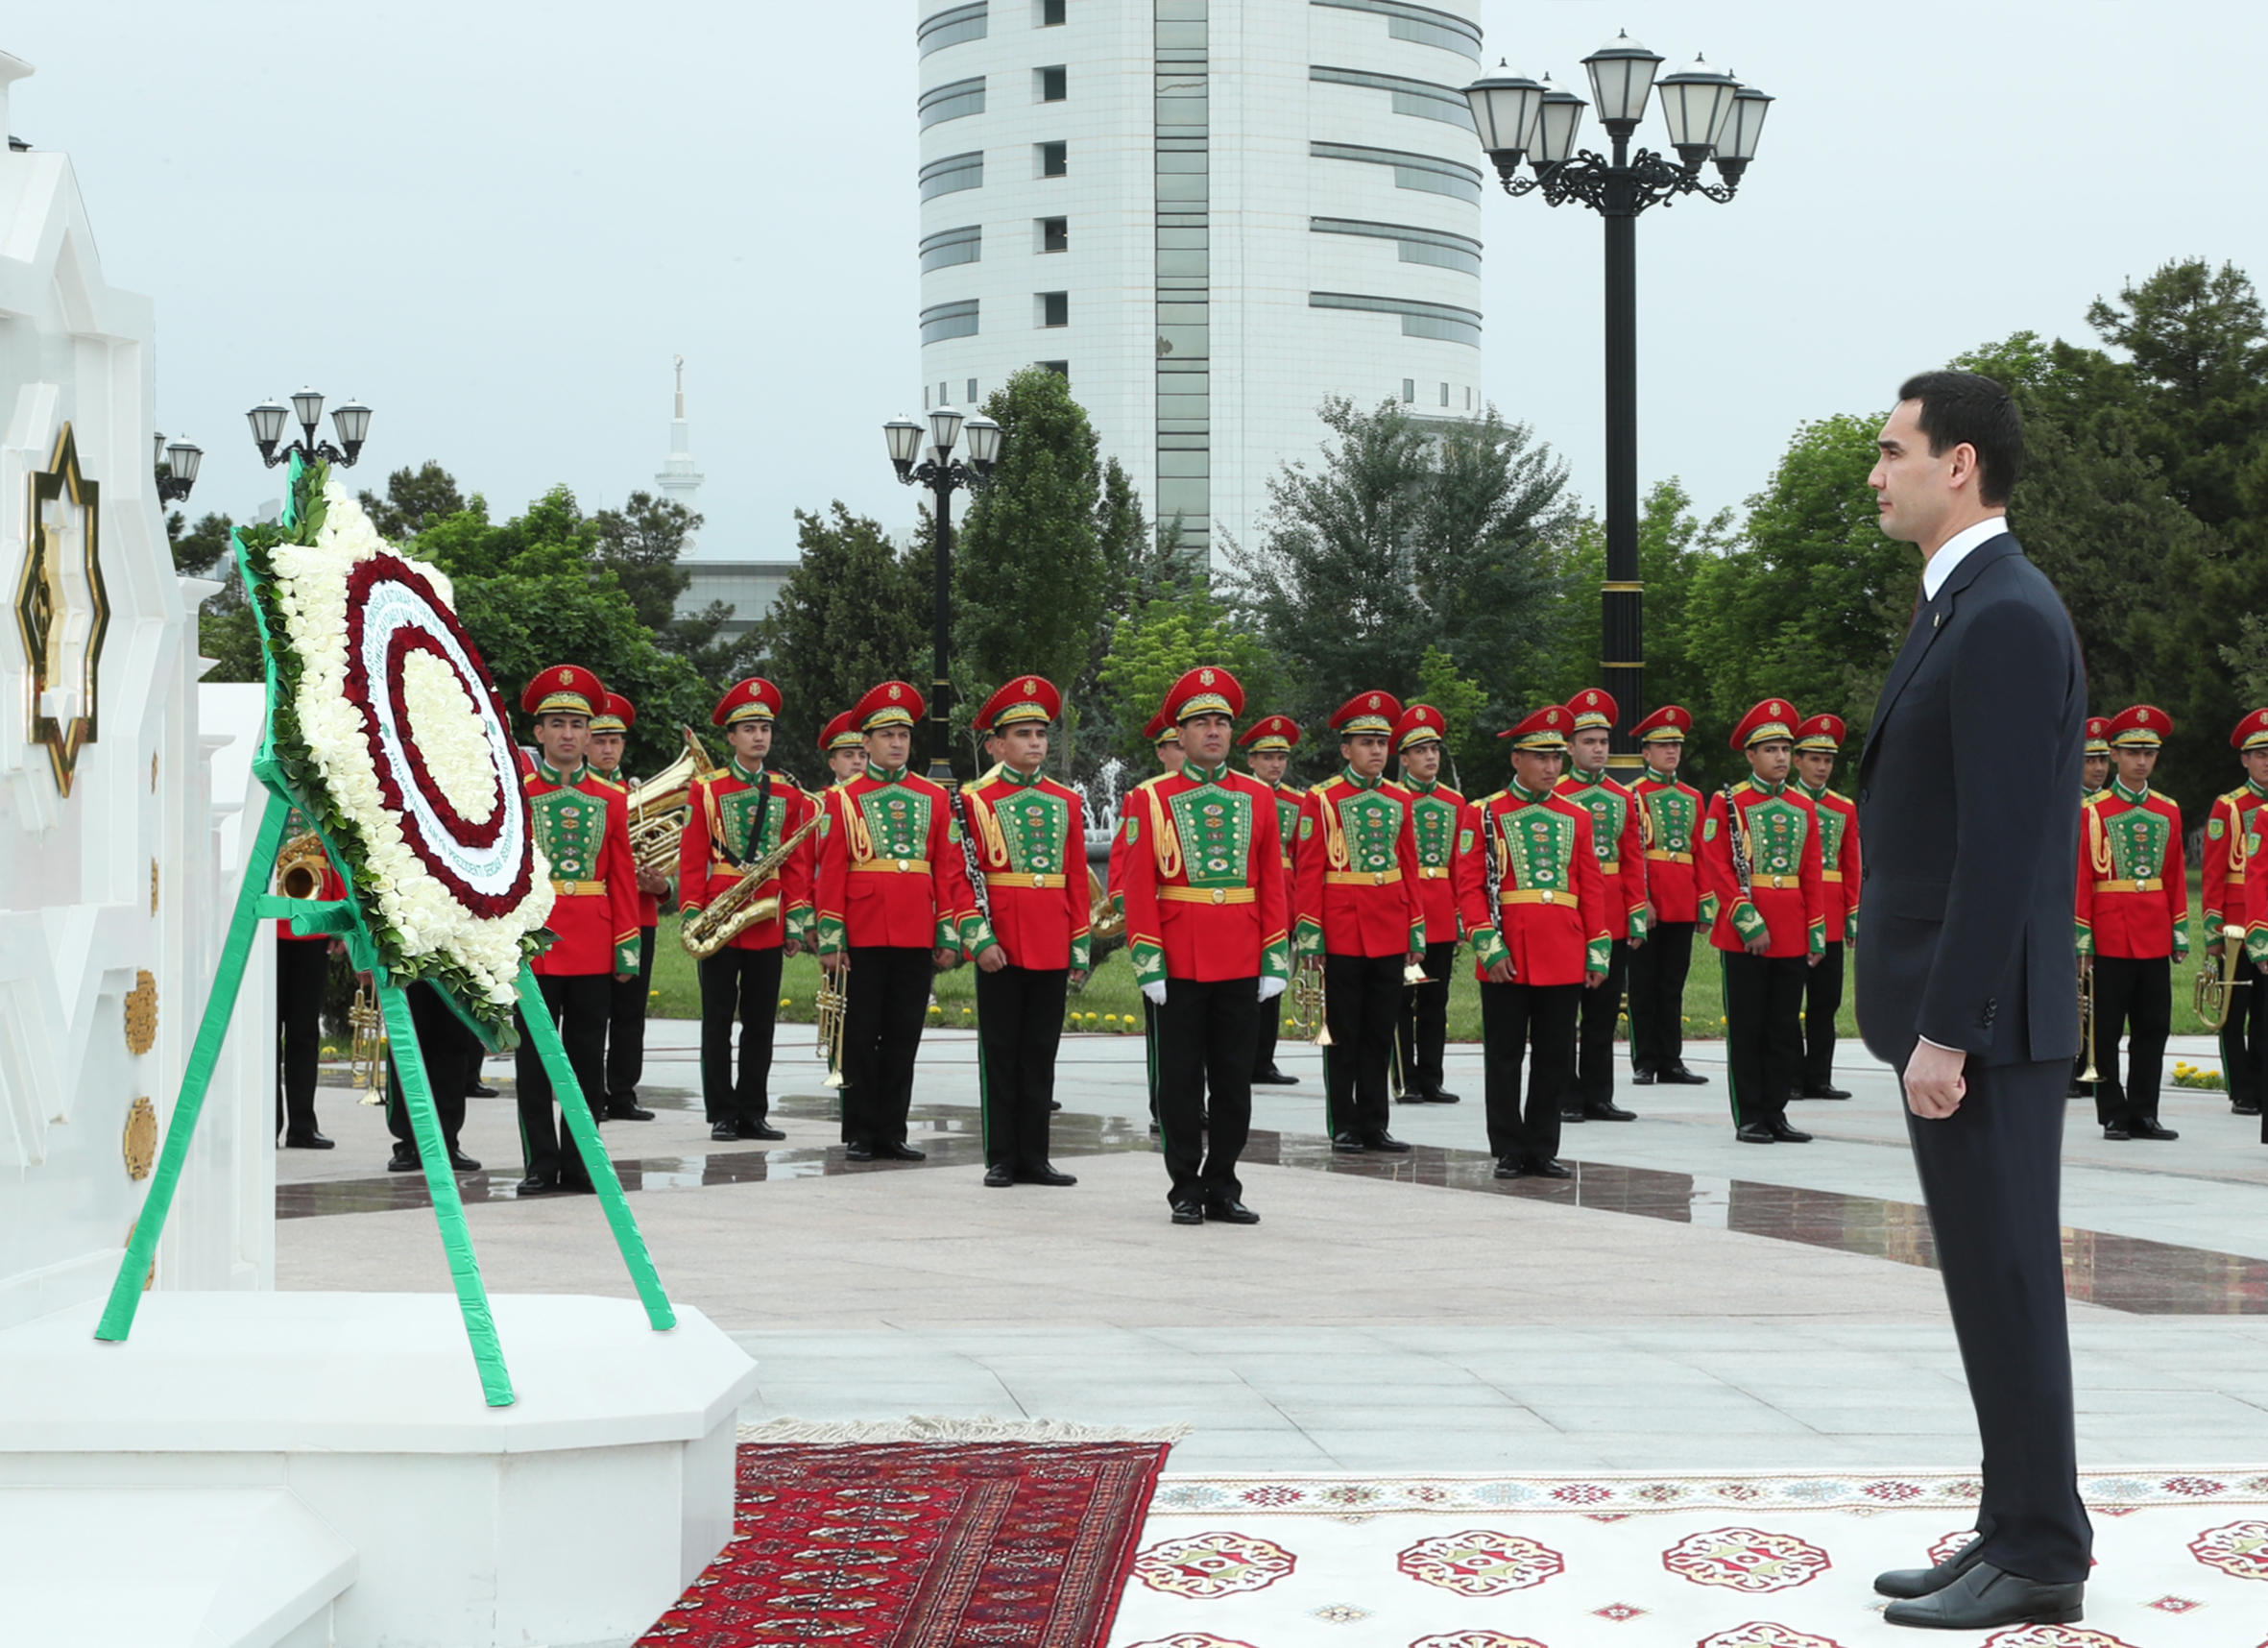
(1271, 987)
(1155, 992)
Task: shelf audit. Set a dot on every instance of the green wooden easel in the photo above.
(342, 919)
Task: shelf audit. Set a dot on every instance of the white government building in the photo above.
(1209, 216)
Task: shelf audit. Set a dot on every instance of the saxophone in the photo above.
(715, 925)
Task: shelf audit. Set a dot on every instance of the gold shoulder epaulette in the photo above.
(2236, 797)
(612, 783)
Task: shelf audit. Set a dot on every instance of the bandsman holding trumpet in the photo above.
(740, 816)
(1618, 835)
(1267, 745)
(626, 1010)
(2132, 916)
(1437, 812)
(1027, 927)
(2234, 896)
(580, 824)
(891, 889)
(1360, 919)
(1529, 886)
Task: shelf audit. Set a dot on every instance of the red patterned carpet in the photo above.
(918, 1545)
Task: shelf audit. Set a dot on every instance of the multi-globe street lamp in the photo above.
(351, 423)
(175, 468)
(1710, 115)
(942, 474)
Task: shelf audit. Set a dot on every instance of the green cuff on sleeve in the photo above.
(1149, 964)
(1082, 951)
(832, 939)
(1488, 947)
(1749, 922)
(1814, 938)
(1598, 955)
(1275, 960)
(1308, 941)
(2083, 938)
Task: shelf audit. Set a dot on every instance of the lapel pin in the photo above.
(1936, 619)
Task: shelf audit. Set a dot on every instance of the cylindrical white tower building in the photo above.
(1210, 214)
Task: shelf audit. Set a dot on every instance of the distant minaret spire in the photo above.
(677, 477)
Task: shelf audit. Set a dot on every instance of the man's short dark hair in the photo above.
(1965, 408)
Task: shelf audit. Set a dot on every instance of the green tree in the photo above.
(1461, 700)
(197, 548)
(1171, 636)
(415, 499)
(641, 542)
(852, 612)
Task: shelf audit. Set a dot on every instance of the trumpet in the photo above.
(2086, 1025)
(1102, 920)
(708, 929)
(368, 1049)
(299, 868)
(2210, 996)
(1307, 1001)
(832, 1003)
(661, 805)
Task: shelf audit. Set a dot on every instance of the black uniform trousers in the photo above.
(1264, 1040)
(1536, 1023)
(626, 1026)
(2134, 997)
(1822, 1000)
(1361, 999)
(1592, 1086)
(445, 1044)
(302, 967)
(1989, 1173)
(1657, 997)
(2244, 1038)
(887, 1001)
(745, 982)
(577, 1003)
(1421, 1030)
(1019, 1027)
(1204, 1043)
(1763, 1034)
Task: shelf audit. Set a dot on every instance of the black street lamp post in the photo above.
(351, 423)
(942, 474)
(175, 468)
(1709, 116)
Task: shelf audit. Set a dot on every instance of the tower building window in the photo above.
(1409, 389)
(1060, 367)
(1054, 309)
(1053, 82)
(1054, 159)
(1050, 16)
(1055, 234)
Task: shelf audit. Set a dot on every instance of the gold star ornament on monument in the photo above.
(63, 610)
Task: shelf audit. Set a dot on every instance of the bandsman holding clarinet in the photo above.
(1267, 747)
(1437, 811)
(1670, 816)
(1618, 837)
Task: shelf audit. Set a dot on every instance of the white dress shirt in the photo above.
(1955, 549)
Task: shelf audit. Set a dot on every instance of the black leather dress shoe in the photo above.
(481, 1090)
(306, 1142)
(724, 1130)
(1271, 1077)
(2113, 1131)
(1825, 1092)
(857, 1153)
(998, 1176)
(1545, 1167)
(1783, 1135)
(404, 1159)
(760, 1131)
(900, 1153)
(1681, 1077)
(1044, 1174)
(536, 1185)
(1641, 1079)
(460, 1162)
(1386, 1143)
(2140, 1127)
(2244, 1107)
(1755, 1133)
(628, 1110)
(1571, 1116)
(1442, 1096)
(1986, 1596)
(1507, 1167)
(1228, 1210)
(1188, 1213)
(1920, 1582)
(1347, 1144)
(1055, 1104)
(1609, 1111)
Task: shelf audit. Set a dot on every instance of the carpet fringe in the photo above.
(940, 1428)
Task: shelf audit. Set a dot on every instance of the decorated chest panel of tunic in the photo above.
(897, 821)
(745, 835)
(1432, 821)
(1538, 848)
(1370, 823)
(1776, 829)
(1216, 829)
(1833, 823)
(1607, 810)
(1287, 820)
(1033, 827)
(1670, 815)
(569, 829)
(2133, 846)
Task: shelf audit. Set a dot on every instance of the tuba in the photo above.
(299, 868)
(2215, 982)
(712, 928)
(661, 805)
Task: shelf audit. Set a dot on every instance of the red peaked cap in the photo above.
(1366, 712)
(2098, 734)
(1270, 733)
(564, 688)
(891, 704)
(2252, 732)
(754, 699)
(1594, 707)
(1162, 731)
(1027, 699)
(1205, 690)
(1544, 730)
(1668, 724)
(1773, 718)
(1420, 724)
(841, 733)
(2141, 727)
(617, 714)
(1820, 733)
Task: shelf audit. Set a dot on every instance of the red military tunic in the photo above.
(1618, 835)
(2133, 894)
(1786, 901)
(887, 868)
(2229, 900)
(1670, 818)
(1551, 898)
(1203, 878)
(724, 836)
(649, 904)
(1355, 868)
(582, 829)
(1031, 839)
(1839, 859)
(1437, 812)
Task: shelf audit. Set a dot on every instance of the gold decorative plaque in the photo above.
(139, 1142)
(141, 1014)
(63, 610)
(153, 887)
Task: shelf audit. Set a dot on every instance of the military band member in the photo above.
(738, 814)
(1618, 835)
(1359, 917)
(1165, 739)
(2233, 898)
(626, 1010)
(2094, 773)
(580, 823)
(2132, 914)
(1206, 928)
(891, 888)
(447, 1045)
(844, 746)
(1669, 819)
(1267, 747)
(302, 973)
(1760, 856)
(1818, 742)
(1435, 814)
(1544, 943)
(1031, 950)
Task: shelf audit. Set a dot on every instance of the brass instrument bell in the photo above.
(2210, 996)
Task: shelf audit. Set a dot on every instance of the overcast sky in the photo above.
(496, 222)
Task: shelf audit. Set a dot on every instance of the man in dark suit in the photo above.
(1967, 799)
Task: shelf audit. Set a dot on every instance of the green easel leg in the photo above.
(449, 1212)
(536, 1014)
(244, 926)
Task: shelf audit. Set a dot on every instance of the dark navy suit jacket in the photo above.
(1968, 805)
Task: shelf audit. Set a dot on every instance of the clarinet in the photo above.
(1493, 877)
(969, 865)
(1736, 842)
